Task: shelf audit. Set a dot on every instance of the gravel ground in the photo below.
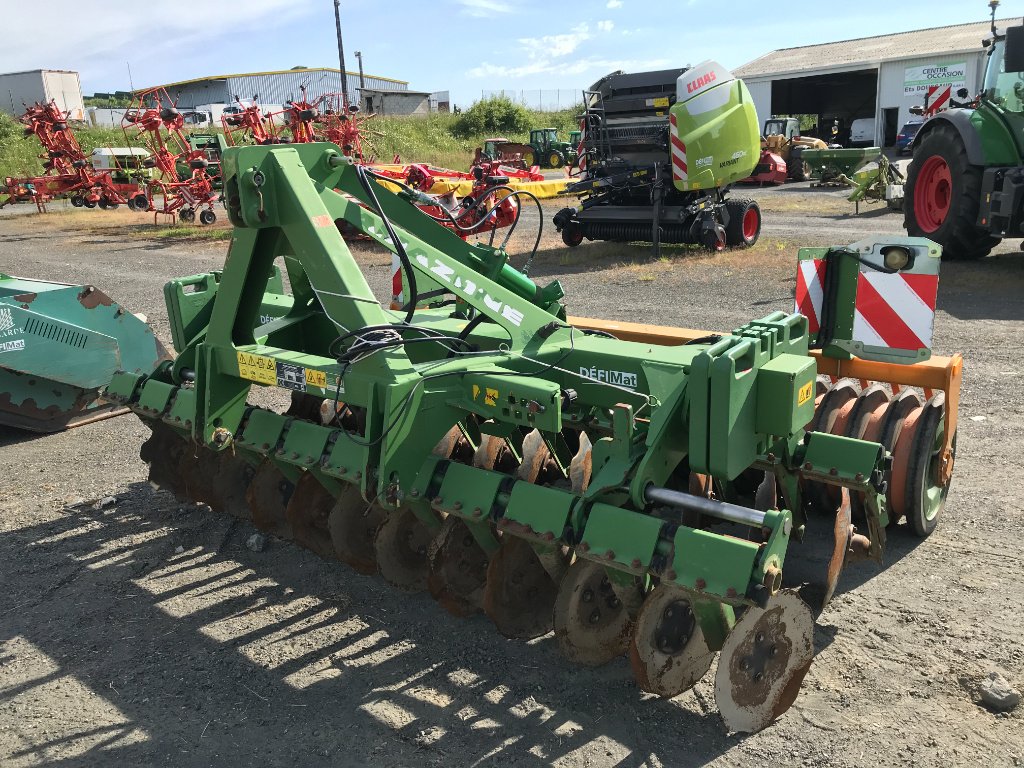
(139, 632)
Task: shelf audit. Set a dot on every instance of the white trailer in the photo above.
(18, 89)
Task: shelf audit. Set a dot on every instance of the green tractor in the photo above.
(548, 151)
(965, 185)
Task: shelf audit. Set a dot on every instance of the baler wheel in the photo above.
(401, 547)
(592, 623)
(520, 593)
(458, 569)
(268, 496)
(353, 526)
(763, 662)
(668, 652)
(308, 511)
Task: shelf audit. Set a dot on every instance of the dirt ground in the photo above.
(135, 631)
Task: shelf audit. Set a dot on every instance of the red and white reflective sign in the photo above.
(678, 151)
(895, 310)
(937, 99)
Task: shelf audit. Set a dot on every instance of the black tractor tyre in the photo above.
(799, 169)
(572, 235)
(77, 201)
(556, 159)
(207, 217)
(744, 225)
(957, 232)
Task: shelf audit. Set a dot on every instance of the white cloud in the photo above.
(605, 26)
(614, 4)
(484, 8)
(578, 66)
(555, 45)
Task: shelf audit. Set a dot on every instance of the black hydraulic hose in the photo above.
(403, 257)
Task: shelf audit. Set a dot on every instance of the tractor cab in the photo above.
(575, 137)
(787, 127)
(1004, 74)
(491, 147)
(544, 138)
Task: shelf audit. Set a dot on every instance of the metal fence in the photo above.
(541, 100)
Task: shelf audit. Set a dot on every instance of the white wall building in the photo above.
(879, 77)
(18, 89)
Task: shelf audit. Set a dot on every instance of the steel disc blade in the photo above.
(668, 652)
(352, 526)
(581, 466)
(592, 625)
(401, 549)
(535, 456)
(520, 595)
(766, 497)
(842, 534)
(308, 511)
(763, 662)
(458, 569)
(164, 452)
(268, 496)
(232, 475)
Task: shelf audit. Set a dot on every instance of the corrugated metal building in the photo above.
(273, 87)
(879, 77)
(42, 85)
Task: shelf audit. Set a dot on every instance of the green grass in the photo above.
(428, 139)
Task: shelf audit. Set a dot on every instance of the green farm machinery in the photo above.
(638, 490)
(548, 151)
(965, 184)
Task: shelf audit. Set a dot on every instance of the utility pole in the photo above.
(341, 53)
(359, 55)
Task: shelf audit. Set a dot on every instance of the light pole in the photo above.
(341, 53)
(359, 55)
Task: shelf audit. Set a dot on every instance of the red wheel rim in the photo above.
(751, 223)
(933, 194)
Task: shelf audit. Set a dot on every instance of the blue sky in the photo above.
(463, 46)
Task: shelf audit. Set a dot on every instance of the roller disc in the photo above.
(832, 414)
(897, 438)
(458, 569)
(925, 495)
(268, 496)
(352, 526)
(592, 624)
(668, 652)
(401, 547)
(520, 594)
(763, 662)
(308, 511)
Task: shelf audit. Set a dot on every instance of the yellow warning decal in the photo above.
(262, 370)
(490, 397)
(806, 393)
(661, 102)
(316, 378)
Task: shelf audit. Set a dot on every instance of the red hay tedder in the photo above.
(155, 117)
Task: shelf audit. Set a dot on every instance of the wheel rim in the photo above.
(933, 194)
(751, 223)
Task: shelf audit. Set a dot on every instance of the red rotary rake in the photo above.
(68, 171)
(153, 115)
(250, 124)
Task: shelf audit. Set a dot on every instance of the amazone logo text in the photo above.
(469, 289)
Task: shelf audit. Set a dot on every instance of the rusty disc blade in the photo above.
(458, 569)
(401, 547)
(165, 452)
(520, 594)
(268, 496)
(592, 624)
(763, 662)
(842, 534)
(581, 467)
(352, 526)
(231, 477)
(308, 511)
(668, 652)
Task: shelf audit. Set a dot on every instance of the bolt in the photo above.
(670, 575)
(309, 459)
(700, 584)
(773, 651)
(265, 446)
(457, 505)
(438, 501)
(358, 475)
(758, 676)
(669, 613)
(635, 563)
(221, 436)
(833, 471)
(808, 466)
(859, 477)
(548, 536)
(771, 457)
(477, 512)
(610, 554)
(584, 546)
(587, 596)
(759, 637)
(343, 470)
(595, 616)
(744, 664)
(295, 454)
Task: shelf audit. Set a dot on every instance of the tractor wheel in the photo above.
(77, 201)
(530, 158)
(744, 223)
(943, 192)
(572, 235)
(89, 203)
(207, 217)
(555, 159)
(799, 169)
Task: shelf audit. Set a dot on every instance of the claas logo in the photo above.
(700, 82)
